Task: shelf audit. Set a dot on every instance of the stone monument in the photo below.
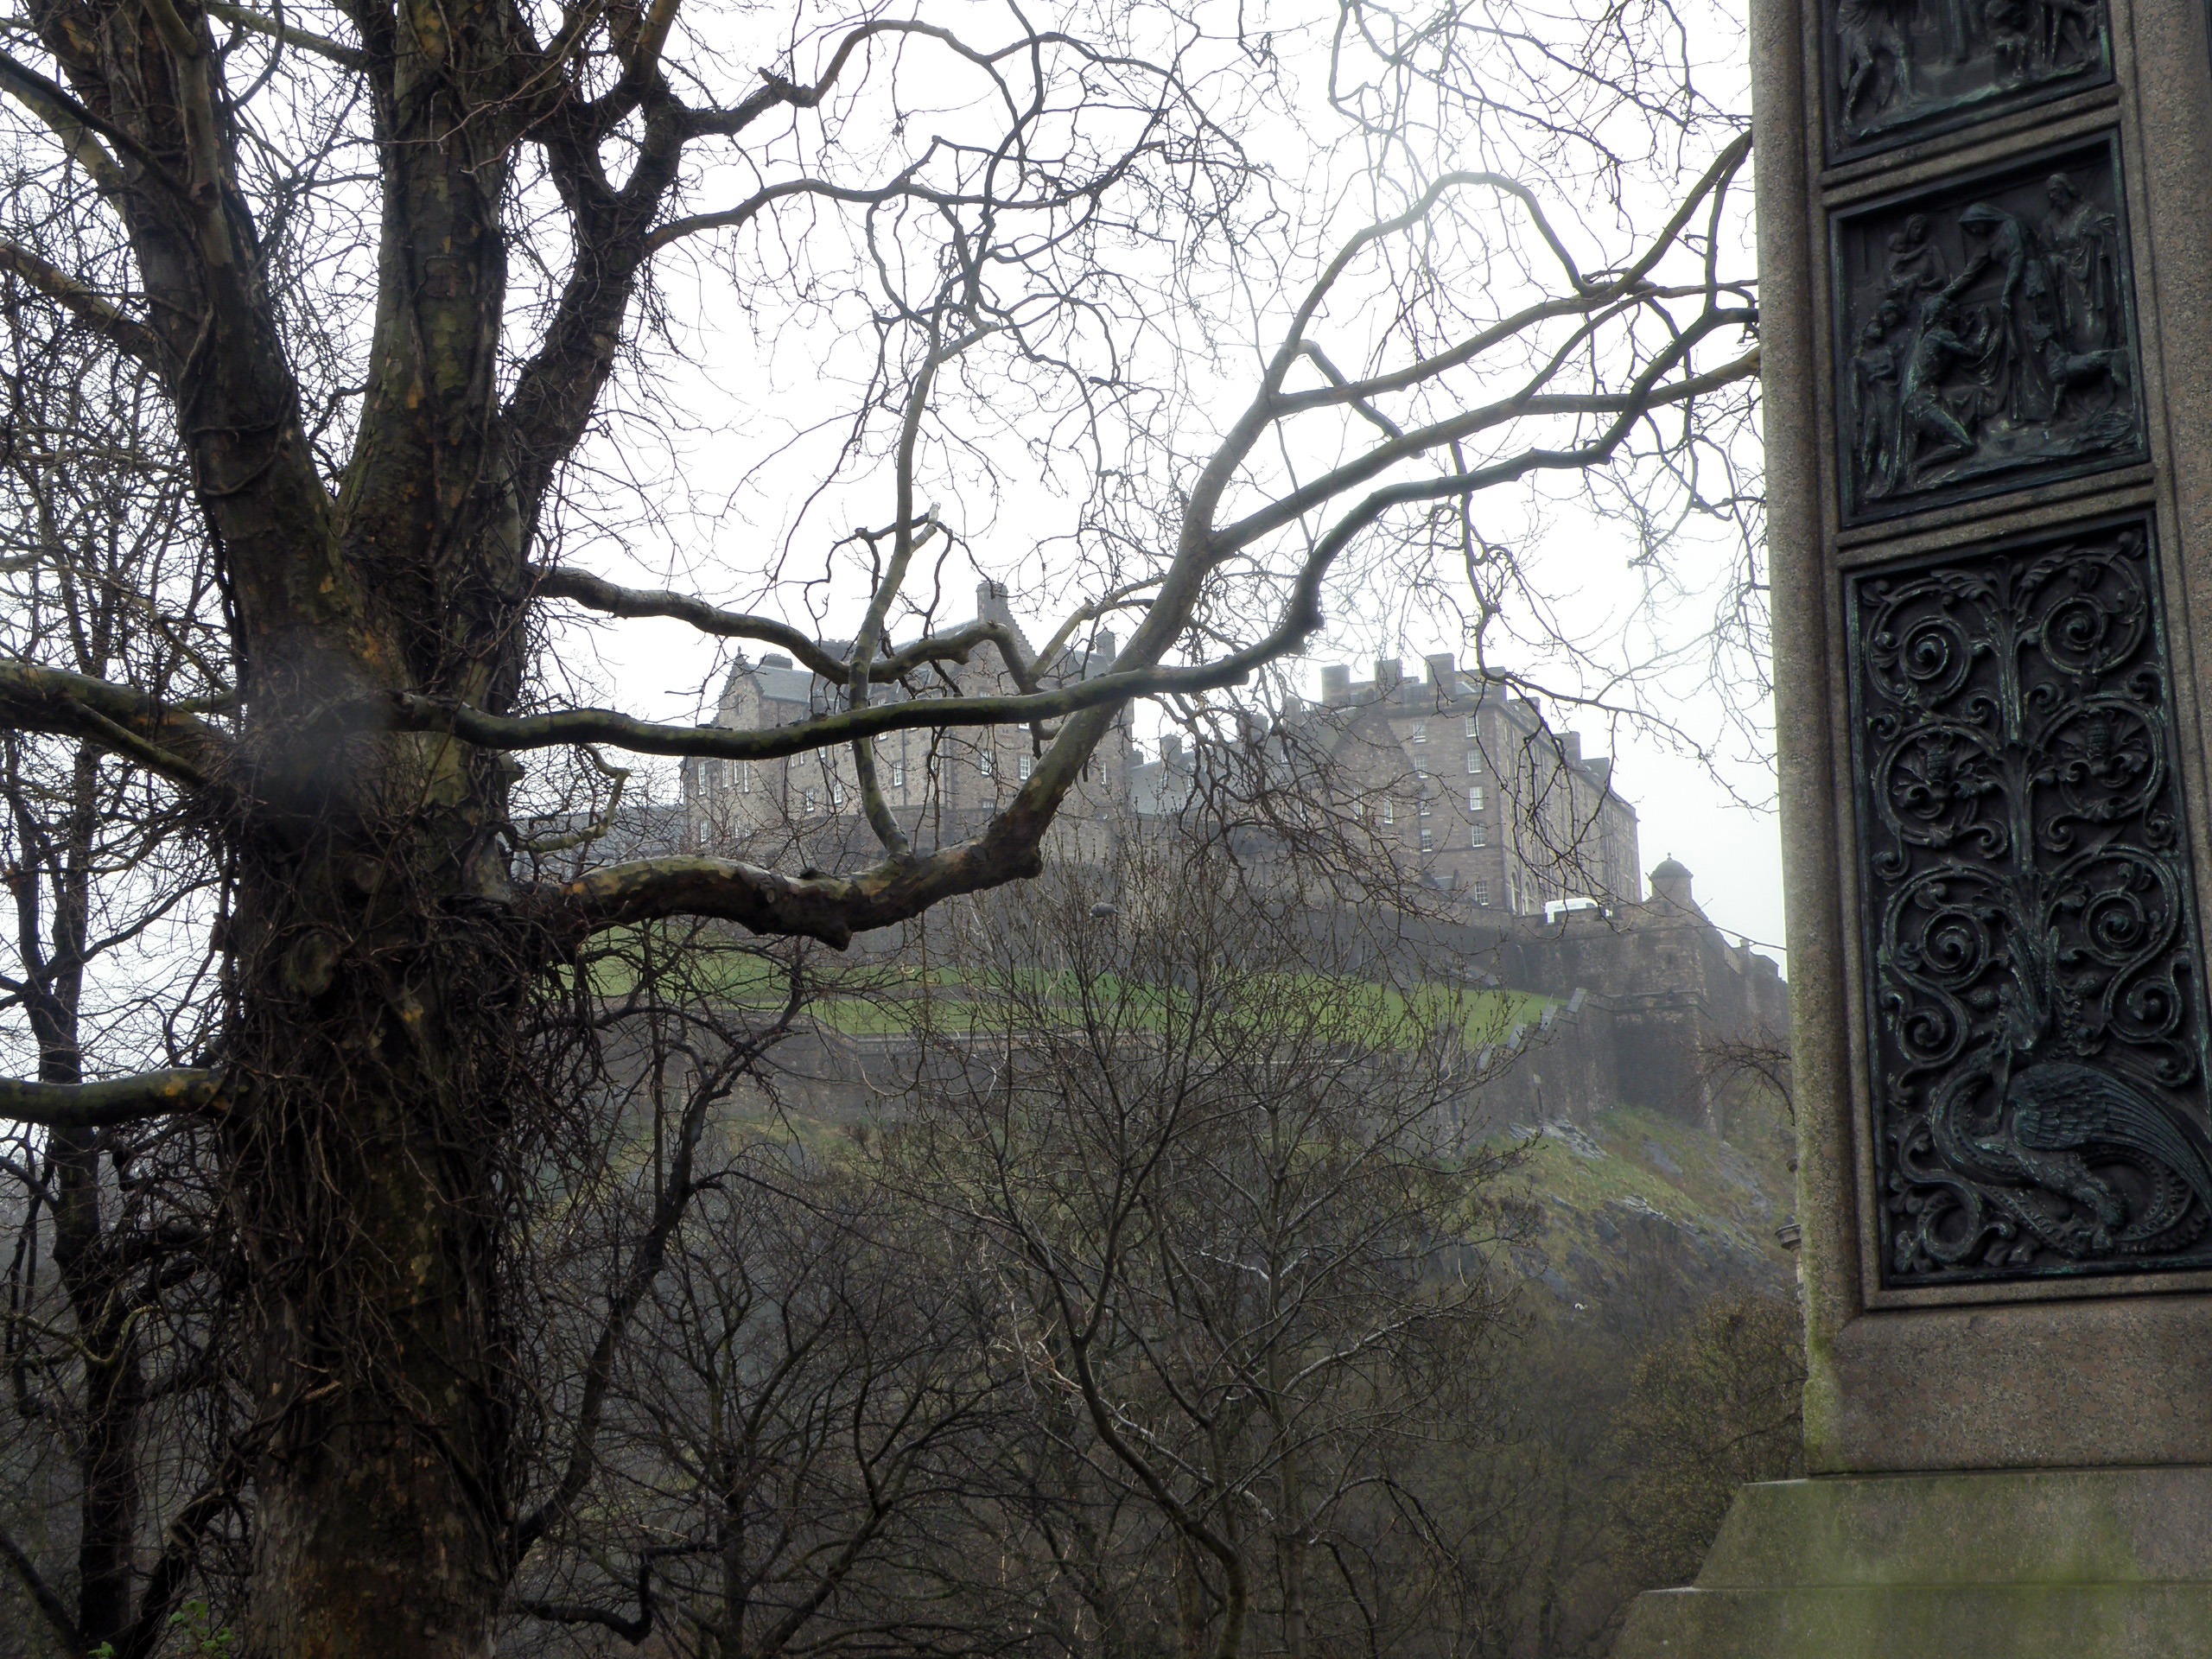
(1986, 255)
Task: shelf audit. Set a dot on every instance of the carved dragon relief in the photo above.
(2037, 1040)
(1898, 69)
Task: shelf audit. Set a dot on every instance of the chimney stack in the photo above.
(1443, 676)
(1571, 743)
(1099, 659)
(991, 599)
(1389, 675)
(1336, 685)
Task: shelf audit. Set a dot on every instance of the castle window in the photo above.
(1029, 765)
(1428, 840)
(1470, 727)
(744, 777)
(837, 794)
(899, 775)
(1482, 893)
(1420, 730)
(1426, 806)
(806, 799)
(1475, 798)
(1474, 763)
(1389, 810)
(1479, 835)
(986, 763)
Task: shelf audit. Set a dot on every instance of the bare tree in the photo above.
(1755, 1066)
(794, 1425)
(1714, 1408)
(389, 276)
(1215, 1159)
(121, 1384)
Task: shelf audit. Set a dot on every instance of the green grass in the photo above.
(865, 1000)
(1351, 1010)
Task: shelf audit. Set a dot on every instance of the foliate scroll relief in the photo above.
(2037, 1041)
(1986, 336)
(1900, 68)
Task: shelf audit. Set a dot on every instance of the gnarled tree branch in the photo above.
(831, 908)
(96, 312)
(347, 57)
(1300, 618)
(71, 122)
(117, 1100)
(50, 1605)
(412, 712)
(954, 646)
(181, 747)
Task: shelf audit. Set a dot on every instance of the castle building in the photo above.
(1659, 1006)
(1476, 787)
(1466, 784)
(941, 786)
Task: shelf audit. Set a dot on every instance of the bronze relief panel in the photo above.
(2037, 1031)
(1901, 69)
(1986, 336)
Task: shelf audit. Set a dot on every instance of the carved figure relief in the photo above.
(1987, 339)
(2037, 1048)
(1898, 69)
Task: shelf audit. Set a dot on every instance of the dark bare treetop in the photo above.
(337, 336)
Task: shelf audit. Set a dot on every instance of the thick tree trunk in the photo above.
(370, 1546)
(378, 1009)
(383, 1497)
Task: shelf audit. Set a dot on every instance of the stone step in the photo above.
(2041, 1564)
(2055, 1526)
(2014, 1621)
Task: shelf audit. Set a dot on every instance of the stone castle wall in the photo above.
(1647, 999)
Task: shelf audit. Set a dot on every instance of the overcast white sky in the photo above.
(724, 501)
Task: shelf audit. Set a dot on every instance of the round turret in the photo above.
(1670, 884)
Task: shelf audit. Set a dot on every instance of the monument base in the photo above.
(2032, 1564)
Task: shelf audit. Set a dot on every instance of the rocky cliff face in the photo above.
(1636, 1219)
